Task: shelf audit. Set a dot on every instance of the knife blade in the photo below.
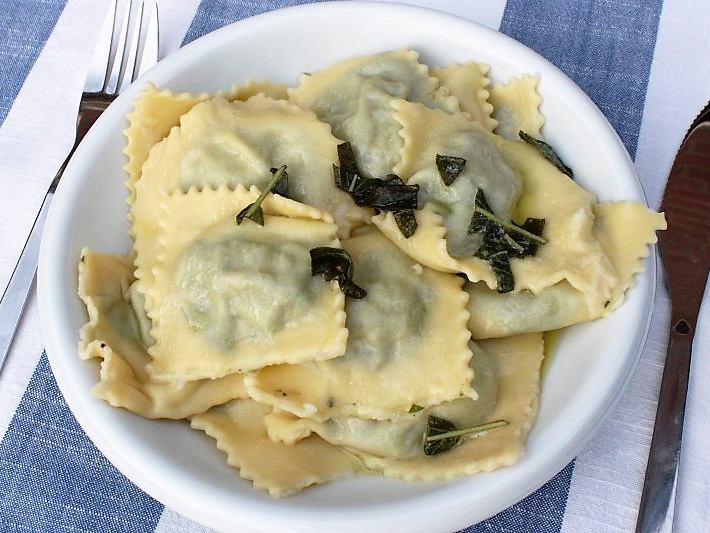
(685, 252)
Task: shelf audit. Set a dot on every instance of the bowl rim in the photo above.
(390, 518)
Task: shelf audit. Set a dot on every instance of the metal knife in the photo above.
(685, 251)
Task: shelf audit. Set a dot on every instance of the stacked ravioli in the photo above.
(225, 325)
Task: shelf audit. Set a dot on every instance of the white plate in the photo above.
(182, 468)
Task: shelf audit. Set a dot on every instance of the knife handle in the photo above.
(659, 484)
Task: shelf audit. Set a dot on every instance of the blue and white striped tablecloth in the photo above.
(646, 64)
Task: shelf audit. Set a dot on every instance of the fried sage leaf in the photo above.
(346, 157)
(503, 240)
(336, 264)
(438, 426)
(405, 218)
(547, 152)
(253, 211)
(281, 187)
(527, 241)
(406, 222)
(442, 435)
(483, 221)
(393, 194)
(500, 264)
(389, 194)
(449, 168)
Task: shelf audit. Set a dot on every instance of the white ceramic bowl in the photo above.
(181, 467)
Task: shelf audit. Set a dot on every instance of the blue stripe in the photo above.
(25, 26)
(605, 46)
(54, 478)
(542, 511)
(213, 14)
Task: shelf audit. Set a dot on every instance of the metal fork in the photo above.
(127, 47)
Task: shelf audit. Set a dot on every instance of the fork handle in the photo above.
(18, 288)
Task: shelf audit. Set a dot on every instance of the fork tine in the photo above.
(111, 83)
(149, 53)
(99, 67)
(129, 63)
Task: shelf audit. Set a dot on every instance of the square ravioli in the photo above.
(516, 364)
(508, 384)
(233, 298)
(408, 344)
(354, 96)
(240, 432)
(114, 334)
(442, 240)
(225, 143)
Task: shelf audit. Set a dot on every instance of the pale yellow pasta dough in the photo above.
(516, 106)
(572, 252)
(500, 315)
(401, 436)
(408, 344)
(222, 143)
(469, 83)
(517, 364)
(428, 245)
(231, 298)
(431, 132)
(239, 430)
(442, 241)
(156, 111)
(254, 87)
(112, 334)
(624, 230)
(354, 97)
